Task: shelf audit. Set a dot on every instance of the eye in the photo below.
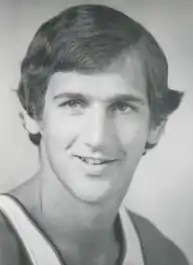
(72, 103)
(120, 106)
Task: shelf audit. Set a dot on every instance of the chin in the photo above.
(91, 189)
(92, 196)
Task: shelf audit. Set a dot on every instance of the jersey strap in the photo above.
(37, 246)
(133, 252)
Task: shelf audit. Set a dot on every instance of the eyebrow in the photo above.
(114, 98)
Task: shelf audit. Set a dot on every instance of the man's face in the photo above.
(94, 130)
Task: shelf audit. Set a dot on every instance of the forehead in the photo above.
(125, 76)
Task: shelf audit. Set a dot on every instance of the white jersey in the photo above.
(42, 252)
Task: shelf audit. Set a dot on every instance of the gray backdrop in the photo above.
(163, 186)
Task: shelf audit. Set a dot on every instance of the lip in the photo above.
(96, 168)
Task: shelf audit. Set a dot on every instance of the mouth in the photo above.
(95, 161)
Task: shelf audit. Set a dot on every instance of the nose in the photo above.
(98, 132)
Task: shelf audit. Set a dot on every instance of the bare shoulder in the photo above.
(9, 247)
(27, 193)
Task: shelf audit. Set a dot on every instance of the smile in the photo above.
(95, 161)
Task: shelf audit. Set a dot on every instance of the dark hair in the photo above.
(89, 38)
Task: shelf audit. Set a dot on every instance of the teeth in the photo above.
(93, 161)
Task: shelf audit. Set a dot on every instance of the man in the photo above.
(95, 98)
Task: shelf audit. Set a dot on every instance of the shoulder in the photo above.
(9, 249)
(157, 248)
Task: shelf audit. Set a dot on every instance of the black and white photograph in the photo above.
(96, 125)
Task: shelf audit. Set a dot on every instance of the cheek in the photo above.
(133, 133)
(133, 141)
(62, 128)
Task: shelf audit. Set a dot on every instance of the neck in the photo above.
(61, 209)
(76, 226)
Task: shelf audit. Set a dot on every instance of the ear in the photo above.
(29, 124)
(156, 133)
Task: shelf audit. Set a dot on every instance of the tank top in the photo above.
(40, 250)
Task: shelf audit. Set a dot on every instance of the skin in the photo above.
(104, 115)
